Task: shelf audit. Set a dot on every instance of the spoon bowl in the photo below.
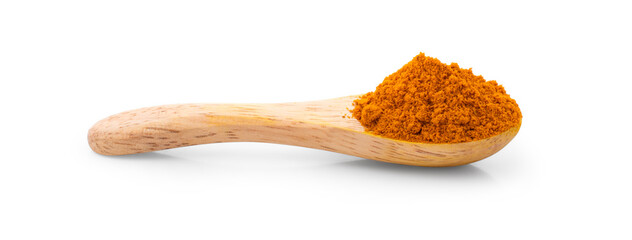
(315, 124)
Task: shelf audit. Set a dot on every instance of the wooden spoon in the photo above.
(317, 124)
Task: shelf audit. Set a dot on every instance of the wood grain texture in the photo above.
(317, 124)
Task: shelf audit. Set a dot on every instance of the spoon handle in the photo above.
(316, 124)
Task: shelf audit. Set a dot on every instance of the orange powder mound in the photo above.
(429, 101)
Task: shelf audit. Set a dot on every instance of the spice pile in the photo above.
(429, 101)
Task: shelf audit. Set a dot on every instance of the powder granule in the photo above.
(429, 101)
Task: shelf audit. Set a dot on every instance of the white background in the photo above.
(66, 64)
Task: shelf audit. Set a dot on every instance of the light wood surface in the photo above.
(317, 124)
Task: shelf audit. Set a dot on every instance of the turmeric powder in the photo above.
(429, 101)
